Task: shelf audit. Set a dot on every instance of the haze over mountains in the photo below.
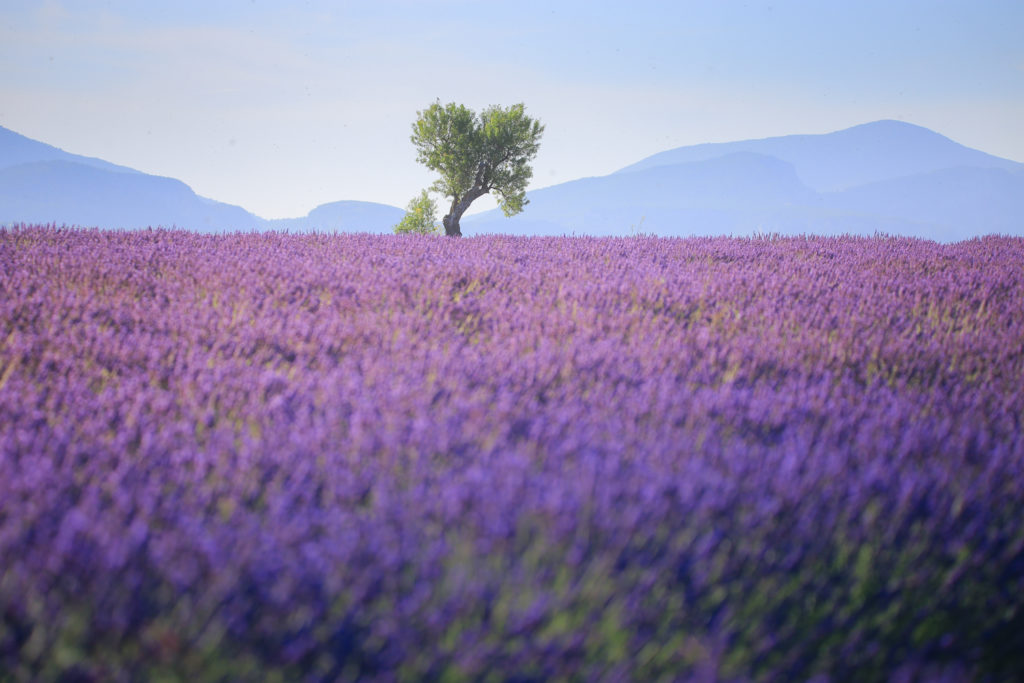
(43, 184)
(885, 176)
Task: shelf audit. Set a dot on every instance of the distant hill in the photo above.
(16, 149)
(958, 202)
(885, 176)
(721, 194)
(72, 193)
(343, 216)
(40, 183)
(836, 161)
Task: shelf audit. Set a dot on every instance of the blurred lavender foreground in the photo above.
(323, 457)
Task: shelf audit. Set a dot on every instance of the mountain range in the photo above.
(40, 183)
(886, 176)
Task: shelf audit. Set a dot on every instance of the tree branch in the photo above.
(481, 171)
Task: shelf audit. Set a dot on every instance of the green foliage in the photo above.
(477, 154)
(420, 217)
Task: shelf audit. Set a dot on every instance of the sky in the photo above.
(282, 106)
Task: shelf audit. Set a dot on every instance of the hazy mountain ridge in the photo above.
(16, 149)
(73, 193)
(847, 158)
(885, 176)
(40, 183)
(960, 198)
(343, 216)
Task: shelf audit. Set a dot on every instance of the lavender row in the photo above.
(348, 456)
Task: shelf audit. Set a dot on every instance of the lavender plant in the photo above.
(339, 457)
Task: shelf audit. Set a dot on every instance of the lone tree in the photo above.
(477, 154)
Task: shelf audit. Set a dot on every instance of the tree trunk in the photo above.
(451, 225)
(459, 206)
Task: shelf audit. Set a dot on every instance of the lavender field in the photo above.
(338, 457)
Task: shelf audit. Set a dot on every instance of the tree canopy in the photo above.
(477, 154)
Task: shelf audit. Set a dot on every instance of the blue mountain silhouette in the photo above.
(885, 176)
(40, 183)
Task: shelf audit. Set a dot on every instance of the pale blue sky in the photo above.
(279, 107)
